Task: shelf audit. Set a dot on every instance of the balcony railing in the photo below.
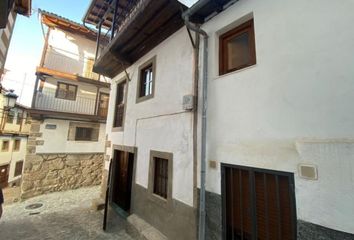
(47, 101)
(69, 62)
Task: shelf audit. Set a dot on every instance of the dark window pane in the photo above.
(18, 168)
(119, 109)
(238, 51)
(83, 134)
(161, 177)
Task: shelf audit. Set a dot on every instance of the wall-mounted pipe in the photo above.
(186, 15)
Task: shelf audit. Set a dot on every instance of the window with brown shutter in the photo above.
(161, 177)
(258, 204)
(119, 107)
(18, 168)
(5, 146)
(17, 144)
(66, 91)
(237, 48)
(83, 134)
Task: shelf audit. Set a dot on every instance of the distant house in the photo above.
(14, 131)
(69, 110)
(8, 12)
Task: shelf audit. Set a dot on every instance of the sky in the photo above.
(27, 43)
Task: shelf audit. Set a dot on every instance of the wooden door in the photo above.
(4, 176)
(103, 105)
(258, 204)
(122, 179)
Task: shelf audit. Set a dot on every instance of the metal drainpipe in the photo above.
(195, 28)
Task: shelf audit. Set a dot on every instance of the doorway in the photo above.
(122, 172)
(258, 204)
(103, 105)
(4, 175)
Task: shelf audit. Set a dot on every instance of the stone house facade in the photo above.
(67, 136)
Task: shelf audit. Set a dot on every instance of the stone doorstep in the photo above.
(146, 231)
(98, 204)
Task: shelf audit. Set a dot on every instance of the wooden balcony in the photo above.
(149, 23)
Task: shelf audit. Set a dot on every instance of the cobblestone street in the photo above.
(65, 215)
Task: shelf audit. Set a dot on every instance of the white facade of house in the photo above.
(160, 123)
(293, 107)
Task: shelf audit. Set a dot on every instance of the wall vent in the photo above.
(308, 171)
(188, 102)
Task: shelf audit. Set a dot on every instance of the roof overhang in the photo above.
(23, 7)
(52, 20)
(150, 23)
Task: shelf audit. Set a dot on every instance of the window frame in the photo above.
(142, 68)
(8, 146)
(13, 114)
(247, 27)
(15, 149)
(165, 202)
(19, 117)
(114, 127)
(16, 173)
(67, 88)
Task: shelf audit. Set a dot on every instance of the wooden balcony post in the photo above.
(98, 38)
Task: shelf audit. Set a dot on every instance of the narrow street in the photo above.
(65, 215)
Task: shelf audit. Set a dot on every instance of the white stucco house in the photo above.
(278, 139)
(68, 112)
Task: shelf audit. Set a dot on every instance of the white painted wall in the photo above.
(171, 133)
(11, 157)
(69, 52)
(56, 140)
(294, 106)
(84, 103)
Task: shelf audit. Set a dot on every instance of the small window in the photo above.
(146, 80)
(18, 168)
(5, 146)
(237, 48)
(83, 134)
(119, 108)
(17, 144)
(10, 116)
(161, 177)
(66, 91)
(19, 118)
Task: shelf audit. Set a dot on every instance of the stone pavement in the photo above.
(64, 215)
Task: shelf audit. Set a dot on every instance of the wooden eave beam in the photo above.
(68, 76)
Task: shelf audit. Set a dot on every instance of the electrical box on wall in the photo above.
(188, 102)
(308, 171)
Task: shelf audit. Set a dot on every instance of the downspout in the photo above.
(198, 30)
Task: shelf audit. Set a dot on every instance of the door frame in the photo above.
(129, 149)
(292, 196)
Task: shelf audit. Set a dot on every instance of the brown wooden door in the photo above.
(258, 204)
(4, 176)
(122, 179)
(103, 105)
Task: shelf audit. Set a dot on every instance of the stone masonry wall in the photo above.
(44, 173)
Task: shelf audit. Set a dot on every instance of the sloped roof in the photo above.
(54, 20)
(24, 7)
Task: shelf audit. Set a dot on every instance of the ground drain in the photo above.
(34, 206)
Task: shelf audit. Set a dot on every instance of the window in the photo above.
(146, 78)
(119, 107)
(5, 146)
(258, 204)
(237, 48)
(83, 134)
(18, 168)
(160, 177)
(10, 116)
(88, 69)
(66, 91)
(17, 144)
(19, 118)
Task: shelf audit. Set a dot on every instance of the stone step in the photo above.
(146, 231)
